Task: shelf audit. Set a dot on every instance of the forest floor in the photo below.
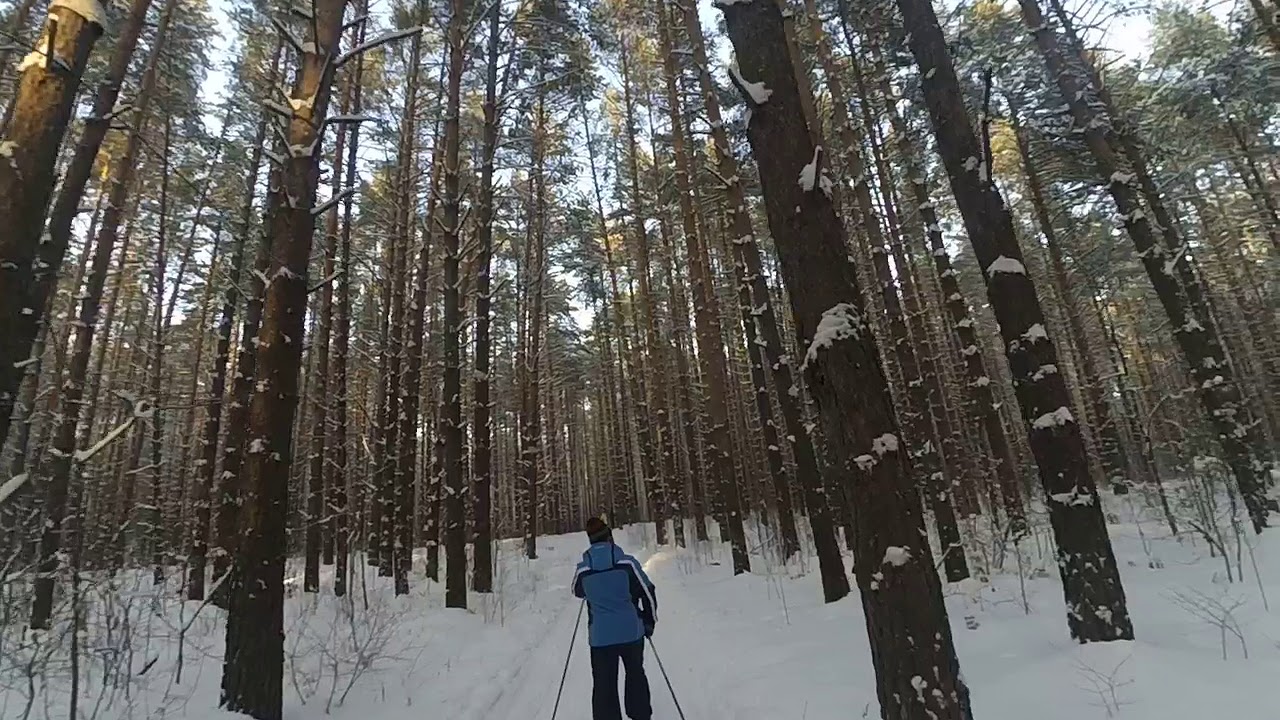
(754, 647)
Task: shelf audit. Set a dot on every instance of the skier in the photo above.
(621, 613)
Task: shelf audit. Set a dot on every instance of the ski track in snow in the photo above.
(760, 646)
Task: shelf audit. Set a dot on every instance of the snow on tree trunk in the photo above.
(1179, 291)
(917, 673)
(482, 424)
(455, 523)
(1094, 595)
(252, 681)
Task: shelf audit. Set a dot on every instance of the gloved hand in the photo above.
(648, 628)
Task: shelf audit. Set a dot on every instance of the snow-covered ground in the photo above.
(760, 646)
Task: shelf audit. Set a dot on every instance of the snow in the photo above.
(1006, 265)
(90, 10)
(792, 655)
(7, 147)
(809, 175)
(11, 486)
(838, 323)
(1044, 371)
(1074, 498)
(1035, 333)
(886, 443)
(896, 556)
(1050, 420)
(757, 90)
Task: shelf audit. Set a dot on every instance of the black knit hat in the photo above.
(598, 530)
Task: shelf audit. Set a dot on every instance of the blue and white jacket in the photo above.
(620, 597)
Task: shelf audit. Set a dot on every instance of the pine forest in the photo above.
(926, 352)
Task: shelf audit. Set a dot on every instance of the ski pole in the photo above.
(565, 674)
(654, 648)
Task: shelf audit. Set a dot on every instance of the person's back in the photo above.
(622, 612)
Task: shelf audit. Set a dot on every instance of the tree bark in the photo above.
(1091, 581)
(63, 450)
(455, 546)
(252, 680)
(901, 592)
(1180, 295)
(482, 424)
(41, 113)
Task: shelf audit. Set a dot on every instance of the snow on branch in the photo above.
(327, 205)
(340, 119)
(377, 42)
(11, 486)
(141, 411)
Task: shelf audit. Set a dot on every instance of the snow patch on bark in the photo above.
(1035, 333)
(886, 443)
(1006, 265)
(896, 556)
(1075, 498)
(810, 175)
(759, 93)
(841, 322)
(1044, 371)
(1057, 418)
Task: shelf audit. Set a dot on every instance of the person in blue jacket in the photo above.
(621, 613)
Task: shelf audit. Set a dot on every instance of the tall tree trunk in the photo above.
(786, 515)
(979, 381)
(927, 456)
(482, 424)
(1090, 578)
(64, 435)
(901, 592)
(455, 524)
(530, 412)
(317, 515)
(231, 485)
(1113, 456)
(649, 369)
(41, 113)
(339, 470)
(252, 680)
(1180, 295)
(154, 513)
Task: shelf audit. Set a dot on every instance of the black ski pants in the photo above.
(604, 675)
